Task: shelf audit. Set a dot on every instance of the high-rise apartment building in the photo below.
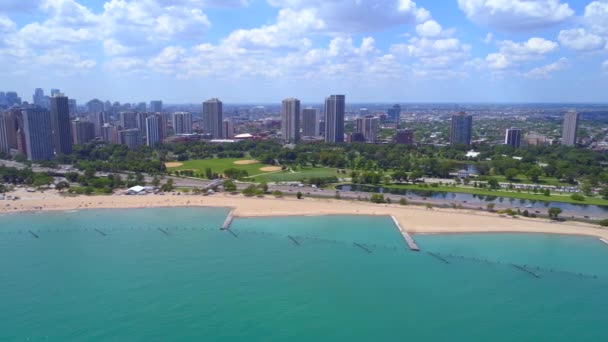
(60, 121)
(227, 129)
(570, 128)
(38, 99)
(404, 136)
(38, 133)
(310, 127)
(95, 106)
(334, 118)
(12, 120)
(83, 132)
(394, 113)
(182, 123)
(141, 121)
(156, 106)
(109, 134)
(461, 129)
(131, 138)
(368, 127)
(99, 119)
(513, 137)
(290, 120)
(213, 117)
(73, 107)
(4, 145)
(128, 120)
(153, 130)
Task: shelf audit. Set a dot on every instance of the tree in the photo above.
(168, 186)
(490, 207)
(277, 193)
(511, 174)
(62, 186)
(251, 191)
(493, 183)
(299, 195)
(229, 186)
(534, 174)
(604, 223)
(264, 187)
(377, 198)
(72, 176)
(337, 195)
(155, 181)
(554, 212)
(208, 173)
(403, 201)
(89, 173)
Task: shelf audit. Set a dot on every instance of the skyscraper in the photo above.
(83, 132)
(334, 118)
(99, 119)
(156, 106)
(38, 98)
(12, 121)
(404, 136)
(141, 121)
(131, 138)
(394, 113)
(153, 130)
(290, 120)
(461, 130)
(55, 92)
(109, 134)
(309, 122)
(213, 117)
(227, 129)
(513, 137)
(570, 128)
(182, 123)
(368, 127)
(38, 133)
(128, 120)
(4, 146)
(73, 107)
(95, 106)
(60, 121)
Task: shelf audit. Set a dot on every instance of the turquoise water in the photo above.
(196, 283)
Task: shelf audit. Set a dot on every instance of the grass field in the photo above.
(298, 175)
(254, 170)
(219, 166)
(555, 197)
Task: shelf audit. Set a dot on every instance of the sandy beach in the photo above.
(413, 219)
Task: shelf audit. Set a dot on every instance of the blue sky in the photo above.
(265, 50)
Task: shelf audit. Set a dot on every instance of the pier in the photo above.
(406, 236)
(295, 242)
(34, 235)
(163, 231)
(439, 257)
(523, 269)
(362, 247)
(604, 240)
(100, 232)
(228, 221)
(231, 233)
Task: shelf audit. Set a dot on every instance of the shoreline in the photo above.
(412, 219)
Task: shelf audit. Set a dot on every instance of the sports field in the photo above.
(257, 171)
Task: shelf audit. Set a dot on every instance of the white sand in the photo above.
(413, 219)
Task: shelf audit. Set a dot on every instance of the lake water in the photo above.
(482, 201)
(170, 275)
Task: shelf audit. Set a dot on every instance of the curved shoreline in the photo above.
(414, 220)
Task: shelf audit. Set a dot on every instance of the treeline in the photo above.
(565, 163)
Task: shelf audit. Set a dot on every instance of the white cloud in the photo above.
(545, 71)
(348, 16)
(289, 31)
(596, 17)
(516, 15)
(605, 65)
(512, 54)
(489, 38)
(580, 39)
(429, 28)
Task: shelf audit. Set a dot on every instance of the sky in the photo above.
(261, 51)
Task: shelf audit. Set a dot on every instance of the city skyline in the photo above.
(384, 51)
